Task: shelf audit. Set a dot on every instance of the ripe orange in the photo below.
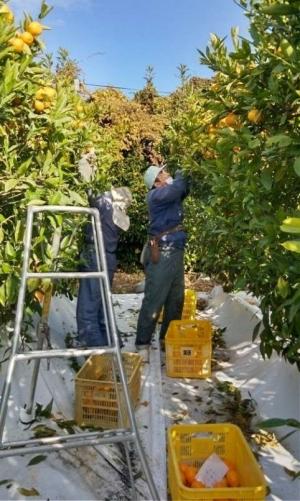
(232, 478)
(190, 474)
(49, 93)
(196, 484)
(6, 13)
(221, 483)
(35, 28)
(183, 467)
(230, 464)
(254, 116)
(38, 105)
(231, 119)
(27, 37)
(17, 44)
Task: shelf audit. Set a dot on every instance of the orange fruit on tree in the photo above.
(6, 13)
(196, 484)
(49, 93)
(27, 37)
(231, 119)
(190, 474)
(38, 105)
(17, 44)
(254, 116)
(35, 28)
(232, 478)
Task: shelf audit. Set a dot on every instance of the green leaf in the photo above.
(1, 235)
(28, 492)
(36, 460)
(282, 287)
(275, 422)
(292, 245)
(6, 481)
(297, 166)
(256, 331)
(281, 140)
(9, 250)
(10, 184)
(36, 201)
(266, 180)
(291, 225)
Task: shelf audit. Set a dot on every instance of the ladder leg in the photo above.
(131, 477)
(111, 319)
(18, 323)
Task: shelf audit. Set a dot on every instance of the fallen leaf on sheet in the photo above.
(28, 492)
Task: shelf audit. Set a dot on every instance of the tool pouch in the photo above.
(154, 251)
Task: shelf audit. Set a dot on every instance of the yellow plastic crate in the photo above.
(189, 306)
(194, 443)
(96, 402)
(188, 349)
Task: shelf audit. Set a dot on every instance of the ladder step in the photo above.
(66, 274)
(56, 443)
(67, 353)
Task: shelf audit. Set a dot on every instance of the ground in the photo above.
(125, 283)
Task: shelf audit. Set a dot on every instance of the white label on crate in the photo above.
(212, 471)
(187, 351)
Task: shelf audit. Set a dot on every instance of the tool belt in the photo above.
(154, 243)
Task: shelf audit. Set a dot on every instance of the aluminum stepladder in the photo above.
(123, 435)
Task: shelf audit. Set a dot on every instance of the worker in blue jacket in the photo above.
(164, 256)
(90, 317)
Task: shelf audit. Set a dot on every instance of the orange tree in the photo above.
(43, 132)
(240, 141)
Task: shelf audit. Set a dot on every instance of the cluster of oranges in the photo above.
(23, 40)
(188, 474)
(44, 98)
(254, 116)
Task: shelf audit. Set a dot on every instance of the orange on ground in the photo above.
(232, 478)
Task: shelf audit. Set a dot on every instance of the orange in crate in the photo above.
(188, 349)
(193, 444)
(96, 399)
(189, 306)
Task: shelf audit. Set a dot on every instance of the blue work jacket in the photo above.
(166, 211)
(110, 231)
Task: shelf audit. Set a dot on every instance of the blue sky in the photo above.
(132, 34)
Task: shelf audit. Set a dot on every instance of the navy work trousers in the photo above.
(164, 288)
(89, 312)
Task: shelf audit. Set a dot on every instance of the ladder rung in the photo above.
(68, 441)
(67, 353)
(67, 274)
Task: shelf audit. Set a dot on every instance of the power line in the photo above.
(131, 89)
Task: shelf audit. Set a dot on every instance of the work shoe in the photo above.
(144, 351)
